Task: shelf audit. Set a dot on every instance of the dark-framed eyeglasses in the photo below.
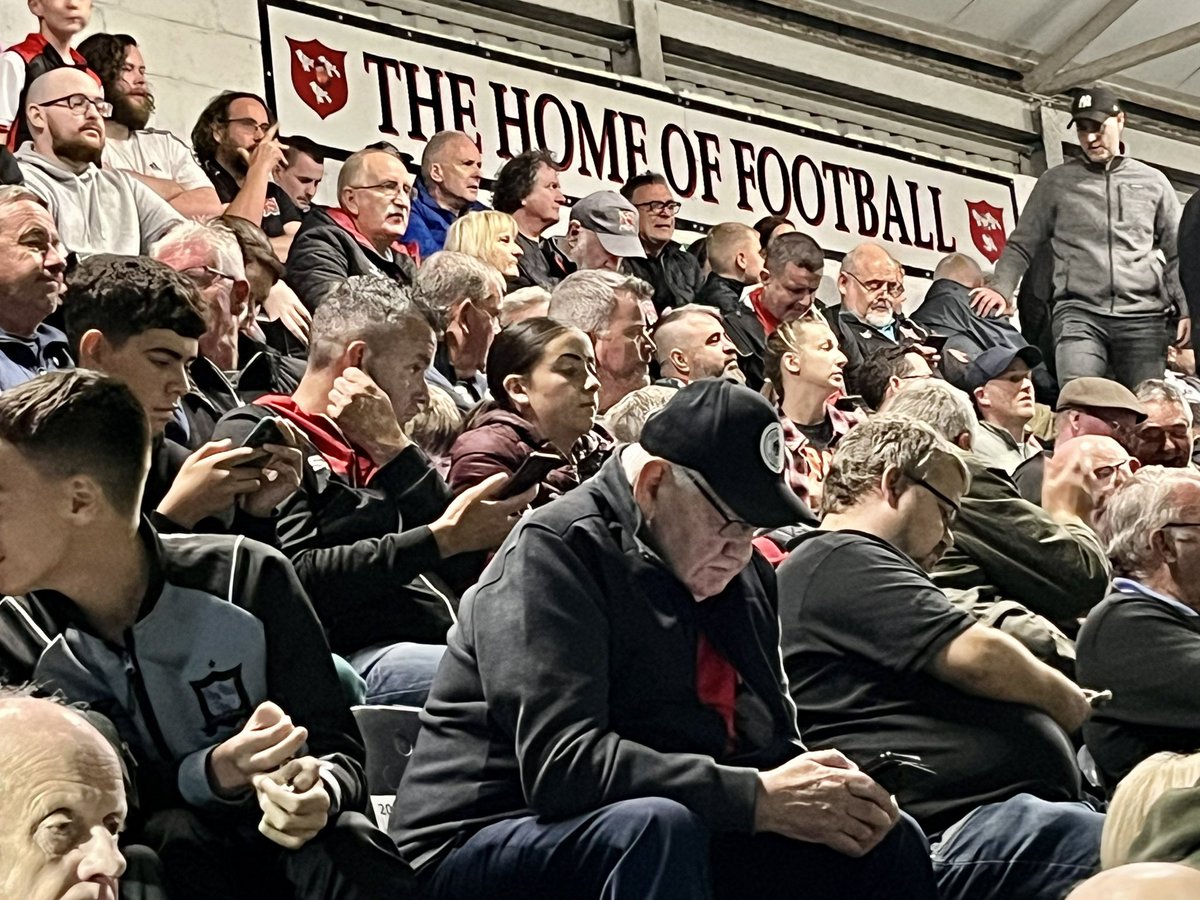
(657, 206)
(79, 103)
(733, 527)
(388, 188)
(877, 286)
(948, 507)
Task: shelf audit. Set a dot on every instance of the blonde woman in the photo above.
(490, 236)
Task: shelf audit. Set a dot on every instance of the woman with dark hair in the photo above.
(545, 394)
(772, 226)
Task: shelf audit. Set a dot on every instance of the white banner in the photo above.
(348, 82)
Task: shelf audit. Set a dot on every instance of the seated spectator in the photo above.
(436, 427)
(658, 776)
(1030, 571)
(198, 648)
(791, 275)
(1000, 383)
(885, 372)
(1149, 618)
(952, 309)
(10, 169)
(542, 379)
(302, 170)
(376, 537)
(770, 227)
(736, 261)
(47, 48)
(878, 659)
(527, 189)
(1086, 405)
(490, 237)
(628, 415)
(1141, 881)
(67, 848)
(447, 189)
(870, 317)
(96, 210)
(32, 262)
(523, 303)
(235, 143)
(1165, 438)
(158, 159)
(1140, 808)
(804, 366)
(361, 236)
(611, 310)
(466, 293)
(671, 271)
(690, 343)
(602, 232)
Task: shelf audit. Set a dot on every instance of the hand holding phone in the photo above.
(535, 467)
(895, 771)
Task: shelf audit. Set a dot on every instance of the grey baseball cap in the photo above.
(614, 221)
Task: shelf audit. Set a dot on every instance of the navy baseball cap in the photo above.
(994, 362)
(732, 437)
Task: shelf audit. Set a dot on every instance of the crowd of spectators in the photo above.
(702, 587)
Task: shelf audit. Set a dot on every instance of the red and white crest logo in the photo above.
(319, 76)
(987, 228)
(627, 221)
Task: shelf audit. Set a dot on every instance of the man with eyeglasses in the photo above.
(96, 210)
(611, 718)
(1143, 641)
(362, 235)
(878, 660)
(234, 141)
(1167, 437)
(667, 267)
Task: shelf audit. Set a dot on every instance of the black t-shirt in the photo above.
(819, 435)
(533, 268)
(861, 624)
(278, 209)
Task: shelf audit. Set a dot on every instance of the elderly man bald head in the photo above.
(65, 109)
(62, 804)
(1141, 881)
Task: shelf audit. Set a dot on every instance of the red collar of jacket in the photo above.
(342, 219)
(345, 459)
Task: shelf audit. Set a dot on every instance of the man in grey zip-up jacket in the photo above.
(1109, 221)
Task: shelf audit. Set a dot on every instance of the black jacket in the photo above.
(674, 274)
(324, 252)
(748, 336)
(721, 292)
(570, 683)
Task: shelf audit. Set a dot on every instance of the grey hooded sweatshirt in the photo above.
(1105, 225)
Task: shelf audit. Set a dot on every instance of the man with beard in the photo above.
(1165, 438)
(156, 158)
(234, 140)
(451, 168)
(690, 343)
(95, 210)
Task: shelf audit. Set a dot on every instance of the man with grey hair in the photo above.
(466, 291)
(615, 311)
(362, 235)
(385, 592)
(1143, 641)
(1166, 437)
(1030, 571)
(451, 169)
(690, 343)
(97, 210)
(878, 659)
(32, 262)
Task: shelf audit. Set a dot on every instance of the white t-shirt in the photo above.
(12, 79)
(158, 154)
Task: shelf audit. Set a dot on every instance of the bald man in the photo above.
(735, 258)
(451, 169)
(690, 343)
(95, 210)
(362, 235)
(62, 804)
(1141, 881)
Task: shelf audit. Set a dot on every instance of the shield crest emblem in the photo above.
(987, 228)
(319, 76)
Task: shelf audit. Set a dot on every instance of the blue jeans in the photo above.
(1023, 849)
(398, 674)
(656, 849)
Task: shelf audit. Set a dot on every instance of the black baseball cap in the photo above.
(994, 362)
(732, 437)
(1094, 104)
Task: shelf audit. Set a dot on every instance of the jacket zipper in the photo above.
(1112, 276)
(134, 673)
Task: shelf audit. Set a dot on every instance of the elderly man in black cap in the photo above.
(612, 719)
(1106, 218)
(1000, 382)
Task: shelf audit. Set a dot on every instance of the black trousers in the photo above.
(207, 857)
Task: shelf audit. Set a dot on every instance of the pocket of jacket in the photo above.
(1138, 207)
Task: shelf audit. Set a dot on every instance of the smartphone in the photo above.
(1097, 698)
(265, 431)
(536, 466)
(895, 771)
